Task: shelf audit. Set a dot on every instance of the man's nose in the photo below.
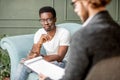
(46, 22)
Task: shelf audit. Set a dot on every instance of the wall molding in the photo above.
(66, 16)
(20, 27)
(19, 19)
(117, 10)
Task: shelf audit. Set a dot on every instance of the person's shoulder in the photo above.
(40, 31)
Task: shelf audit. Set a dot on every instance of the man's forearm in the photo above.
(35, 50)
(52, 58)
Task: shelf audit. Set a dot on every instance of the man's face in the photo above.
(80, 7)
(47, 21)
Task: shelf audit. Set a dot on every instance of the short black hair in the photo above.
(48, 9)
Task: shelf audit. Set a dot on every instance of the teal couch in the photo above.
(19, 46)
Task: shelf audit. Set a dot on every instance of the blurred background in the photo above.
(21, 16)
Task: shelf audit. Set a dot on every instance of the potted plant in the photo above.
(4, 64)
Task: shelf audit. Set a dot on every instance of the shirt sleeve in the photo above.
(65, 38)
(38, 35)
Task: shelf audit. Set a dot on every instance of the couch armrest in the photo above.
(17, 47)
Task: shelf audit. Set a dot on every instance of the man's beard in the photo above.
(85, 13)
(85, 17)
(50, 28)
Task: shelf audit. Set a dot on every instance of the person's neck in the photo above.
(52, 32)
(93, 12)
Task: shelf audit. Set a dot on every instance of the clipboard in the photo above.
(39, 65)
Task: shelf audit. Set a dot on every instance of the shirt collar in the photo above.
(87, 21)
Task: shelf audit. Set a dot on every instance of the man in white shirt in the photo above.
(55, 41)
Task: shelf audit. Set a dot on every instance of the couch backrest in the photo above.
(72, 27)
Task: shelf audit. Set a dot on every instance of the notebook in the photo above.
(39, 65)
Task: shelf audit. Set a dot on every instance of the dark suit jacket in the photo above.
(97, 41)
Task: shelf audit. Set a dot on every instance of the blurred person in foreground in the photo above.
(97, 42)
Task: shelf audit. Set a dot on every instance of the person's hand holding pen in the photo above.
(35, 49)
